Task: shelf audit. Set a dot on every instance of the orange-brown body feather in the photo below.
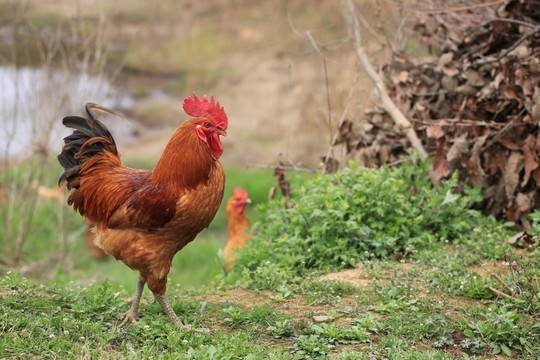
(152, 252)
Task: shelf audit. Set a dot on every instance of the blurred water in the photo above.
(33, 102)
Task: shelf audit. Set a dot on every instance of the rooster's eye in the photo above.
(207, 125)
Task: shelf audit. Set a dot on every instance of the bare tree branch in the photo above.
(503, 283)
(386, 103)
(497, 292)
(465, 8)
(507, 51)
(329, 105)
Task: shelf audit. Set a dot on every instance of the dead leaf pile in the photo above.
(476, 106)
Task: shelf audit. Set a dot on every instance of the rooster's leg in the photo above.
(132, 315)
(162, 300)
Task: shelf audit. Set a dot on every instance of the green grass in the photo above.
(48, 322)
(396, 316)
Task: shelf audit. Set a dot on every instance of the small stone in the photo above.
(317, 319)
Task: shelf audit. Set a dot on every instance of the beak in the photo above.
(221, 132)
(248, 201)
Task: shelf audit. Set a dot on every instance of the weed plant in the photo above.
(337, 220)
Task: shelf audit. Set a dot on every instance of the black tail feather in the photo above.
(97, 126)
(90, 136)
(79, 123)
(66, 161)
(67, 174)
(90, 126)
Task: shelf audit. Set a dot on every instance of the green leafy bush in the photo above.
(359, 213)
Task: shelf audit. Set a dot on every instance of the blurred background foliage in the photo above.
(142, 58)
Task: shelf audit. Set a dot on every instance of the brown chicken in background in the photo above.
(46, 193)
(144, 217)
(238, 224)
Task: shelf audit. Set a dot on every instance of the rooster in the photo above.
(144, 217)
(238, 224)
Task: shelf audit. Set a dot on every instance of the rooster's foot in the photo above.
(129, 317)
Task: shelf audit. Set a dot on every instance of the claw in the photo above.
(129, 317)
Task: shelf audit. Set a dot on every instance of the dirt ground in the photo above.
(272, 114)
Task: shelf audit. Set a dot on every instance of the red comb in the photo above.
(240, 192)
(197, 107)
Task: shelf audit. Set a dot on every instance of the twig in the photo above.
(465, 8)
(493, 302)
(371, 30)
(511, 21)
(397, 162)
(290, 122)
(508, 126)
(328, 102)
(288, 168)
(325, 45)
(498, 293)
(314, 43)
(386, 104)
(434, 93)
(504, 283)
(507, 51)
(336, 134)
(384, 128)
(287, 159)
(347, 104)
(316, 47)
(460, 123)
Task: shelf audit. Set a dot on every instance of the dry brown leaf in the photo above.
(449, 83)
(400, 77)
(444, 59)
(450, 71)
(474, 78)
(522, 239)
(272, 193)
(520, 208)
(536, 177)
(441, 169)
(522, 73)
(514, 164)
(475, 161)
(511, 140)
(532, 104)
(434, 131)
(501, 152)
(530, 158)
(458, 149)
